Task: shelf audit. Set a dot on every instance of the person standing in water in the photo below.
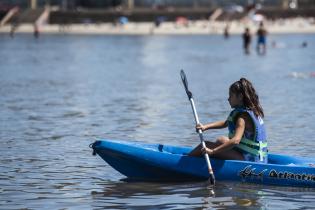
(261, 39)
(36, 30)
(247, 136)
(247, 38)
(226, 31)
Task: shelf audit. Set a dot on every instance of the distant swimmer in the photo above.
(247, 38)
(304, 44)
(261, 39)
(275, 44)
(302, 75)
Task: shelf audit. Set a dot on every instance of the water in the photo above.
(60, 92)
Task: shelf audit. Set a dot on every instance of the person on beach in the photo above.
(261, 39)
(247, 135)
(247, 38)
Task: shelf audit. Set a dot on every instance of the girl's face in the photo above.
(235, 100)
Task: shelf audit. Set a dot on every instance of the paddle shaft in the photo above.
(202, 139)
(190, 97)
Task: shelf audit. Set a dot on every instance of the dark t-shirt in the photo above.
(246, 38)
(261, 32)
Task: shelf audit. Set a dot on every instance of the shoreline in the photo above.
(297, 25)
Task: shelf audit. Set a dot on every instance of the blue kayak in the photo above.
(158, 162)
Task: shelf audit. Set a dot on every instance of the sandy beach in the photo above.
(296, 25)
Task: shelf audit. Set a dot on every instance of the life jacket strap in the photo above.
(252, 151)
(250, 142)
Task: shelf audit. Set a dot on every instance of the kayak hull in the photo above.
(157, 162)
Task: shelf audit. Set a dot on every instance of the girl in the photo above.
(247, 136)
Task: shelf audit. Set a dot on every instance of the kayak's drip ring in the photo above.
(92, 147)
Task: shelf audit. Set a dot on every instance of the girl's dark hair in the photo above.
(250, 98)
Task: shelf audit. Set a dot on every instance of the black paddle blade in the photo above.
(185, 82)
(183, 76)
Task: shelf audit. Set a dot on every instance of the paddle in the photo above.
(190, 97)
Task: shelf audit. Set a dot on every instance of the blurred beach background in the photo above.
(74, 71)
(155, 17)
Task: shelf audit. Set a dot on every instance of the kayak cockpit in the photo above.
(272, 158)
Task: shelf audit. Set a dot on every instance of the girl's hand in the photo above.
(200, 127)
(206, 150)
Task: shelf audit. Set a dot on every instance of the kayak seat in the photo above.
(173, 150)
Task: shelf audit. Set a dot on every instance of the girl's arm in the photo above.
(239, 131)
(214, 125)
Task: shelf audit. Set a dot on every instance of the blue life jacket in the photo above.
(252, 145)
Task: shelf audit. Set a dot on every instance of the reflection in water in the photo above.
(198, 195)
(157, 195)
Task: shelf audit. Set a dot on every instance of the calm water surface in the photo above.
(60, 92)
